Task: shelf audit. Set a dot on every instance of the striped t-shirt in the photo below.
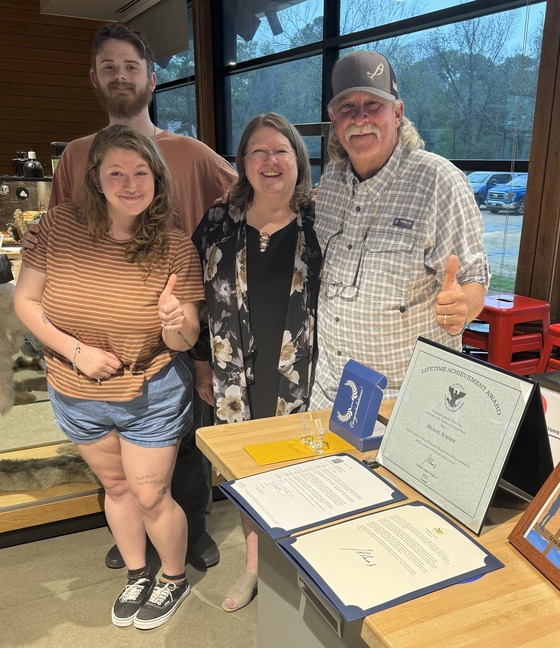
(95, 295)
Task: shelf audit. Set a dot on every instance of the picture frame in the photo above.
(537, 534)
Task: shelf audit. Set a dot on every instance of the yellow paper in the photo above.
(289, 449)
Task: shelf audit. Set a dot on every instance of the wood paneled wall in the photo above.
(45, 91)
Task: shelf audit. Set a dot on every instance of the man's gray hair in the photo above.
(408, 137)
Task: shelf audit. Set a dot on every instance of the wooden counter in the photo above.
(223, 444)
(509, 607)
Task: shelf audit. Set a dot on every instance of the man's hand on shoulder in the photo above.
(223, 199)
(29, 240)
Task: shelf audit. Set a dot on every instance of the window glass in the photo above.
(357, 15)
(315, 174)
(253, 29)
(179, 65)
(292, 89)
(313, 145)
(176, 109)
(468, 87)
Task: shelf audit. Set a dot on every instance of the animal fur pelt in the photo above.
(33, 474)
(11, 341)
(25, 362)
(25, 386)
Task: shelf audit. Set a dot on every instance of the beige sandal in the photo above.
(242, 593)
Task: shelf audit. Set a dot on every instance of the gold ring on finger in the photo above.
(445, 319)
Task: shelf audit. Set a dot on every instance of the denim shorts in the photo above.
(160, 417)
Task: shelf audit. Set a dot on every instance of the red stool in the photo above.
(551, 339)
(502, 313)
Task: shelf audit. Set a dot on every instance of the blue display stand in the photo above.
(356, 406)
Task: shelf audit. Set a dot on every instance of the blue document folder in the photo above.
(347, 564)
(356, 406)
(300, 496)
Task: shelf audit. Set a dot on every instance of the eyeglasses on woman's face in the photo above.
(260, 155)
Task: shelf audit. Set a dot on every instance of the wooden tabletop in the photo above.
(506, 608)
(223, 444)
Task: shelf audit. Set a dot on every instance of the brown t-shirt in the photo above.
(199, 176)
(95, 295)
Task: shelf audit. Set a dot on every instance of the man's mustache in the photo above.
(366, 129)
(120, 86)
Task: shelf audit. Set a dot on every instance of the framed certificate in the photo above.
(537, 534)
(460, 427)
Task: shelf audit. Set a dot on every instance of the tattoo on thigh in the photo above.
(154, 478)
(144, 480)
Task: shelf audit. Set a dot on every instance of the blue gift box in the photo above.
(356, 406)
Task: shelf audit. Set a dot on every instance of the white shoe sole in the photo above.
(155, 623)
(123, 623)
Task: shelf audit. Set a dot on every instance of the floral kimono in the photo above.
(221, 239)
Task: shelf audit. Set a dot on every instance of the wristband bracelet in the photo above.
(76, 351)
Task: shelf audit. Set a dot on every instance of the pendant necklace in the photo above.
(264, 240)
(264, 237)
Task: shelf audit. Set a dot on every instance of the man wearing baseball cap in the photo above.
(400, 232)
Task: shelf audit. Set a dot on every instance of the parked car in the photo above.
(510, 196)
(482, 181)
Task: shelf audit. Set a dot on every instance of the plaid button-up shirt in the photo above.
(385, 243)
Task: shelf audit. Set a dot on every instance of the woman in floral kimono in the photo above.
(261, 261)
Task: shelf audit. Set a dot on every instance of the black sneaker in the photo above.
(162, 604)
(130, 601)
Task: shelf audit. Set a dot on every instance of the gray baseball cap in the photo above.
(364, 71)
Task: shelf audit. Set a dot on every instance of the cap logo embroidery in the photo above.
(378, 71)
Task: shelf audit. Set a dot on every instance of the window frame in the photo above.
(542, 217)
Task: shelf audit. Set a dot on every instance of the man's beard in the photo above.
(125, 106)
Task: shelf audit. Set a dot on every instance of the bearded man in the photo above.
(122, 72)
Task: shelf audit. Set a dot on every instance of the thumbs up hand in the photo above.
(452, 303)
(170, 310)
(450, 278)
